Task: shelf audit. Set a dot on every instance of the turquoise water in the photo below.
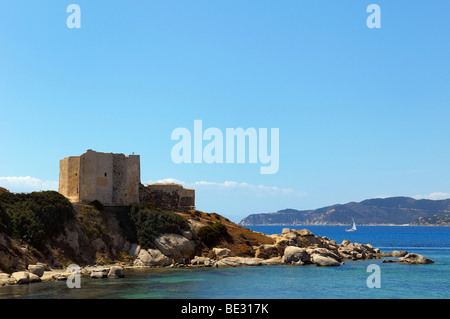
(287, 282)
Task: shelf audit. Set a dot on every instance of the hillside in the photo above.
(379, 211)
(42, 235)
(44, 227)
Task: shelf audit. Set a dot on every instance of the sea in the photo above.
(348, 281)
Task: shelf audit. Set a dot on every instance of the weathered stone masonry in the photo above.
(168, 196)
(114, 180)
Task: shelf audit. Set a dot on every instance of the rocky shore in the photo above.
(291, 247)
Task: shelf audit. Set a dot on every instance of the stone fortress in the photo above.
(115, 180)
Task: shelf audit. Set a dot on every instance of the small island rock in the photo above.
(412, 258)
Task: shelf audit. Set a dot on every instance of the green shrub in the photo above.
(5, 220)
(92, 222)
(150, 223)
(36, 216)
(212, 234)
(123, 215)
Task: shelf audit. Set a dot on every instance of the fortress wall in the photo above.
(187, 197)
(119, 174)
(69, 177)
(114, 179)
(133, 179)
(168, 196)
(88, 176)
(104, 180)
(166, 187)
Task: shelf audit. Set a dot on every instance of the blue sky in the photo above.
(361, 112)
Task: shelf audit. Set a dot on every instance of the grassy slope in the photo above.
(240, 240)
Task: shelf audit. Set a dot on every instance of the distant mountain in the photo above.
(378, 211)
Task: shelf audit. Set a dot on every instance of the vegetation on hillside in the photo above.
(442, 220)
(378, 211)
(39, 217)
(213, 234)
(91, 221)
(34, 217)
(238, 239)
(144, 223)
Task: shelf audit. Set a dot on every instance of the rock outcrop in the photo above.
(295, 256)
(291, 247)
(116, 272)
(414, 259)
(267, 251)
(36, 270)
(202, 261)
(176, 247)
(151, 257)
(221, 252)
(238, 261)
(21, 277)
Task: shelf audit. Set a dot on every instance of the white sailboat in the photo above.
(353, 227)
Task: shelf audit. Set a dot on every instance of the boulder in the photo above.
(306, 241)
(273, 261)
(205, 261)
(151, 257)
(187, 234)
(33, 278)
(239, 261)
(134, 250)
(47, 276)
(221, 252)
(323, 252)
(21, 277)
(190, 234)
(5, 279)
(116, 272)
(266, 251)
(281, 244)
(304, 232)
(90, 270)
(36, 269)
(61, 276)
(414, 259)
(323, 261)
(4, 275)
(345, 242)
(292, 236)
(295, 255)
(357, 251)
(397, 253)
(195, 225)
(157, 258)
(97, 275)
(143, 258)
(175, 246)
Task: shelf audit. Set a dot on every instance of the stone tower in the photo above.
(113, 179)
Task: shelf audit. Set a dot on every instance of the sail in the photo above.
(354, 225)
